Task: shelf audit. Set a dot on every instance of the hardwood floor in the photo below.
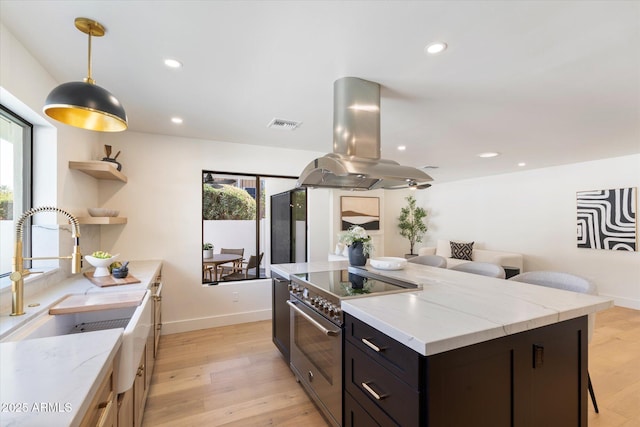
(234, 376)
(614, 365)
(227, 376)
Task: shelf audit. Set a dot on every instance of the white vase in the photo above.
(207, 253)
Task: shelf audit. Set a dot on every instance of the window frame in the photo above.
(27, 179)
(258, 179)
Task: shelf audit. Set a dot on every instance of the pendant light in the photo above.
(85, 104)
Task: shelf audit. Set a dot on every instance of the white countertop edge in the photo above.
(486, 330)
(79, 414)
(62, 378)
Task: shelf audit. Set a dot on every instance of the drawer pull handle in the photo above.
(104, 417)
(371, 345)
(373, 393)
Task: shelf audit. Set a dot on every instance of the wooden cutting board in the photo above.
(110, 280)
(97, 302)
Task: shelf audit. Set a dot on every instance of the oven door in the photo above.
(316, 358)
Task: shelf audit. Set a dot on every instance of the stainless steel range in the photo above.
(316, 328)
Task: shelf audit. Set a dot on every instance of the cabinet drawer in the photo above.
(102, 409)
(357, 416)
(369, 382)
(397, 358)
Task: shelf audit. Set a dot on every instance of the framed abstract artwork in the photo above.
(362, 211)
(607, 219)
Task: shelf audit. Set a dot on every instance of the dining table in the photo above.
(218, 259)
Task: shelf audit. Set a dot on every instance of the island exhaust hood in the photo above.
(355, 163)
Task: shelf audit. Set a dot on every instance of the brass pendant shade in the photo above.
(85, 104)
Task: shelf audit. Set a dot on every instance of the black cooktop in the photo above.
(350, 283)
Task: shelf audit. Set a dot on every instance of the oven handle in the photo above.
(329, 332)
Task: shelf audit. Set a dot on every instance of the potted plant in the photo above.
(359, 243)
(411, 223)
(207, 250)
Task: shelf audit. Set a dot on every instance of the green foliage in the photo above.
(411, 222)
(6, 203)
(207, 246)
(227, 202)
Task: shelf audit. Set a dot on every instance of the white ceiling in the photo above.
(542, 82)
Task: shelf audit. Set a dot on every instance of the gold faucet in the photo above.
(19, 273)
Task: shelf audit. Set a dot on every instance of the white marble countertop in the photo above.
(456, 309)
(145, 271)
(64, 371)
(52, 381)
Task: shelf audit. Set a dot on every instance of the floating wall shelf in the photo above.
(99, 169)
(102, 220)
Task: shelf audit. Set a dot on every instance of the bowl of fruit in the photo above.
(101, 261)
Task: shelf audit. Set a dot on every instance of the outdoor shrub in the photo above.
(227, 202)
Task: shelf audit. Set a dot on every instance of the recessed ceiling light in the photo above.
(521, 164)
(402, 147)
(172, 63)
(176, 120)
(488, 154)
(435, 48)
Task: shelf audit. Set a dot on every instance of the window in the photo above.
(238, 223)
(15, 183)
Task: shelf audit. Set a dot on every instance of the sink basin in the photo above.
(136, 322)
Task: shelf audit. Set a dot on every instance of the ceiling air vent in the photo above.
(283, 124)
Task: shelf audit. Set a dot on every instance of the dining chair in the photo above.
(481, 268)
(236, 266)
(246, 269)
(567, 282)
(431, 260)
(207, 272)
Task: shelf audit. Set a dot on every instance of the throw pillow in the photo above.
(461, 250)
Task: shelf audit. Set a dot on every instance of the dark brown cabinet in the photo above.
(280, 314)
(533, 378)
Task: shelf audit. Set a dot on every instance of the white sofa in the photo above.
(504, 259)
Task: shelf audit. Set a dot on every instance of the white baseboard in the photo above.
(214, 321)
(624, 302)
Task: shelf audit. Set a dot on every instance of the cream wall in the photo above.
(534, 213)
(163, 200)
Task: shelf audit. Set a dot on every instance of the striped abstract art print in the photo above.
(607, 219)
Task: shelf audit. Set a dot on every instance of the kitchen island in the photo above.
(472, 350)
